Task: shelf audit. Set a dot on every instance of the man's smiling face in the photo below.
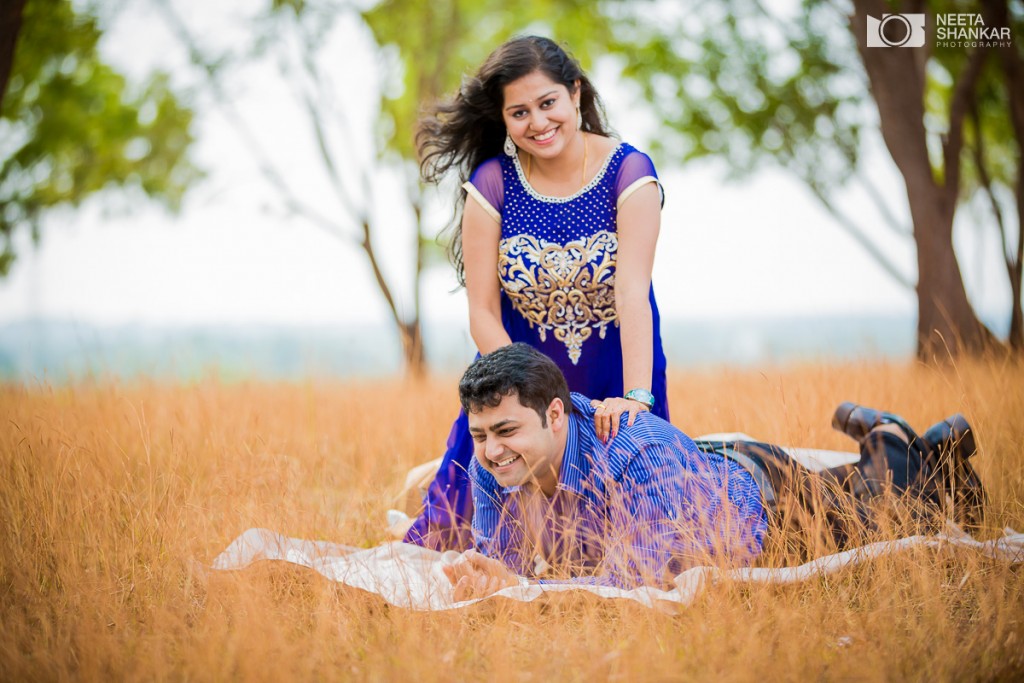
(516, 446)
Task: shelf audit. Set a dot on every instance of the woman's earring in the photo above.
(510, 147)
(579, 118)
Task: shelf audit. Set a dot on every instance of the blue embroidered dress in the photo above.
(556, 264)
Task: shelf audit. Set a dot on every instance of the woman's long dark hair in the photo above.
(463, 132)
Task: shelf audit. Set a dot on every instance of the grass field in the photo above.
(109, 491)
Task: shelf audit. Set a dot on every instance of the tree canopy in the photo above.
(742, 83)
(71, 125)
(735, 80)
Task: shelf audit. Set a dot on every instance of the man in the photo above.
(553, 502)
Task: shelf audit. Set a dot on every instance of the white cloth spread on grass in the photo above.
(410, 576)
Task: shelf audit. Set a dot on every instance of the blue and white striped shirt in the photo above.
(636, 511)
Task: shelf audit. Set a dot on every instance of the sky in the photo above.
(761, 247)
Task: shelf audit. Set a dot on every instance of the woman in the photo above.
(555, 245)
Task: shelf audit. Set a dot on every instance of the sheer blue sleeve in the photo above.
(487, 188)
(636, 170)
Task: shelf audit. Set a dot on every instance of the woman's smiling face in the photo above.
(540, 114)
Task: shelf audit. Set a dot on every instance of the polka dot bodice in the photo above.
(556, 257)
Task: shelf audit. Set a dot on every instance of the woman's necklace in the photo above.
(583, 174)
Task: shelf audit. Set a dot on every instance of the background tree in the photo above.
(10, 27)
(71, 126)
(732, 80)
(450, 38)
(744, 84)
(422, 51)
(899, 81)
(996, 146)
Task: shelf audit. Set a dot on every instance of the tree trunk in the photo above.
(10, 26)
(416, 361)
(412, 350)
(1016, 318)
(409, 331)
(946, 321)
(1013, 72)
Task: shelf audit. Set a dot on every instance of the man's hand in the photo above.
(476, 576)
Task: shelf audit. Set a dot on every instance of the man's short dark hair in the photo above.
(516, 369)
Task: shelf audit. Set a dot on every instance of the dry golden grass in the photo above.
(110, 490)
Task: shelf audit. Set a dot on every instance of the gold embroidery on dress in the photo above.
(568, 289)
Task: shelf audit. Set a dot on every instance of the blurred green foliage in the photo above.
(733, 79)
(989, 123)
(725, 79)
(430, 45)
(742, 81)
(71, 125)
(753, 84)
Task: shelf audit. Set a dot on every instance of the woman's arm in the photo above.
(639, 222)
(638, 225)
(480, 235)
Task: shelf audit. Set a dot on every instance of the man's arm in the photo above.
(497, 536)
(661, 517)
(639, 548)
(497, 533)
(666, 514)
